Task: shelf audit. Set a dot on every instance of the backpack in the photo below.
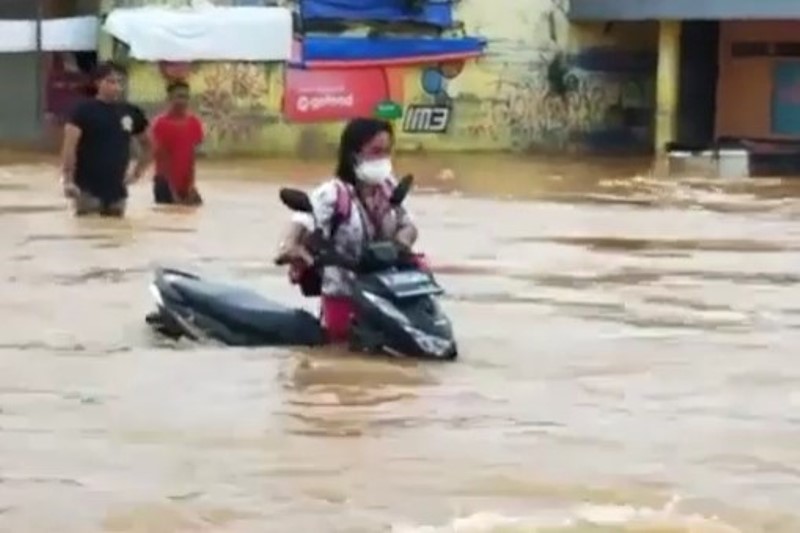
(310, 277)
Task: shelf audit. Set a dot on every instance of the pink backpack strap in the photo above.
(341, 212)
(343, 201)
(388, 188)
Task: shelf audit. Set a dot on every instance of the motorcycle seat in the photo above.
(240, 308)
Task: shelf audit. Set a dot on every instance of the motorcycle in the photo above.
(396, 307)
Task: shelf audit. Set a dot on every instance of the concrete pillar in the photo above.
(667, 83)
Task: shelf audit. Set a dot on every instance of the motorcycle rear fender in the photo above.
(164, 287)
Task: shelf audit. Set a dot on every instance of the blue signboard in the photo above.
(786, 98)
(434, 12)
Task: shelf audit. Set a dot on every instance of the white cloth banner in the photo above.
(204, 33)
(75, 34)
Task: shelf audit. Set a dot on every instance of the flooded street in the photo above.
(628, 364)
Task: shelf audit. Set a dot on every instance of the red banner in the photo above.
(319, 95)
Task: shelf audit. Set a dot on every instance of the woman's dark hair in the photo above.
(355, 135)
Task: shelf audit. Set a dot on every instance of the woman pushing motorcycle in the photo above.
(352, 209)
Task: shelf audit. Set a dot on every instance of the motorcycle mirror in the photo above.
(295, 200)
(401, 191)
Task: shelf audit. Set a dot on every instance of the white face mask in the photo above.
(374, 171)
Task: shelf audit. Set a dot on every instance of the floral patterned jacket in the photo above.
(364, 221)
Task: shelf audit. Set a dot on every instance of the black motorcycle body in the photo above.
(396, 304)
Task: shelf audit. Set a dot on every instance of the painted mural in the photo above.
(541, 85)
(546, 86)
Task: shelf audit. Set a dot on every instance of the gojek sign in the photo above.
(321, 95)
(311, 104)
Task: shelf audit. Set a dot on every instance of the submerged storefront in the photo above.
(728, 71)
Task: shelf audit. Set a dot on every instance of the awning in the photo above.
(360, 52)
(610, 10)
(75, 34)
(204, 33)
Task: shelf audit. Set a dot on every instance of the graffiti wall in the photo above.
(537, 85)
(546, 85)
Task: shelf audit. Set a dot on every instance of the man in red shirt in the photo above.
(175, 135)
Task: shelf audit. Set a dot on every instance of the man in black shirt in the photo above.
(97, 147)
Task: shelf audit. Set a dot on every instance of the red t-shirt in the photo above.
(175, 140)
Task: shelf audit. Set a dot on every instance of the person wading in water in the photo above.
(97, 147)
(175, 135)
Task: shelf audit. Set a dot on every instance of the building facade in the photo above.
(728, 70)
(538, 85)
(759, 80)
(43, 73)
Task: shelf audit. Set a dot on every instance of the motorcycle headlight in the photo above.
(431, 344)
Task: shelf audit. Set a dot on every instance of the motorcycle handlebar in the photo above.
(376, 257)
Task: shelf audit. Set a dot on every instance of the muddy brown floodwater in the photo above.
(629, 364)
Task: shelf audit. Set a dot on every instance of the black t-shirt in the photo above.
(104, 149)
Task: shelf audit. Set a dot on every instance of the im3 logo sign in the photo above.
(422, 118)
